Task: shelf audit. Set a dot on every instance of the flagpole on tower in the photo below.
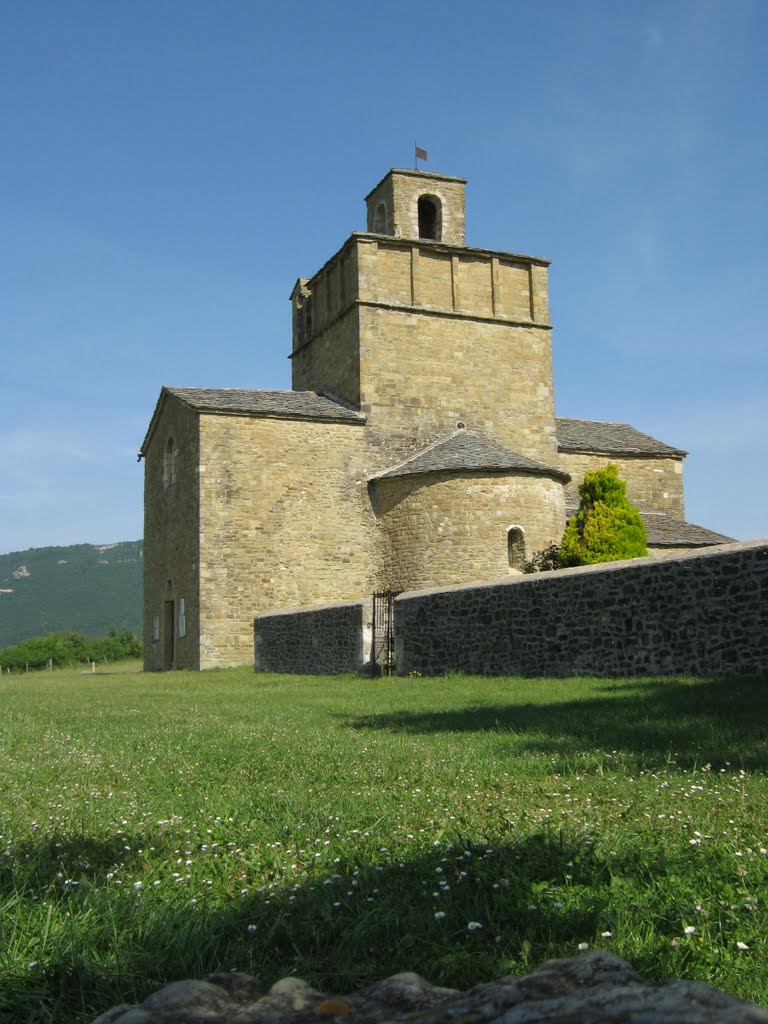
(419, 154)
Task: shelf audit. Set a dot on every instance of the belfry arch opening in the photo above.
(430, 218)
(380, 219)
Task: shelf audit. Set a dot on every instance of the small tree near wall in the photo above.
(607, 527)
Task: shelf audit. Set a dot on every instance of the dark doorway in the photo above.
(169, 635)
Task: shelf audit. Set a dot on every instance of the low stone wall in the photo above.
(703, 613)
(323, 640)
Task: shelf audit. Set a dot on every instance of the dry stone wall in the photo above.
(702, 613)
(321, 641)
(705, 613)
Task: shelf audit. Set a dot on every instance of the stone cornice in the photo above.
(447, 247)
(452, 314)
(414, 172)
(390, 241)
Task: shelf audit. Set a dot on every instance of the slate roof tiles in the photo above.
(668, 532)
(467, 450)
(293, 404)
(296, 405)
(609, 438)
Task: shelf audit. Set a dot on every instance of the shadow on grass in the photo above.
(532, 899)
(59, 867)
(717, 721)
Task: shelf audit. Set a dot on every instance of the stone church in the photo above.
(418, 447)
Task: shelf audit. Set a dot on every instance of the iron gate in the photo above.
(384, 631)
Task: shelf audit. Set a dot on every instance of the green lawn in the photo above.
(155, 827)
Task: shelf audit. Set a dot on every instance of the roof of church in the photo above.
(668, 532)
(612, 438)
(306, 404)
(467, 450)
(295, 405)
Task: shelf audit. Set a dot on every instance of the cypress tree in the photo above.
(607, 527)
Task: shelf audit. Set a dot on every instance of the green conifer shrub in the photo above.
(544, 560)
(607, 527)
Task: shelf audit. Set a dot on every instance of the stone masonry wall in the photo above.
(171, 550)
(407, 331)
(324, 640)
(705, 613)
(469, 281)
(654, 484)
(330, 362)
(444, 529)
(285, 521)
(423, 375)
(399, 194)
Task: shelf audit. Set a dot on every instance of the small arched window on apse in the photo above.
(430, 218)
(380, 220)
(516, 547)
(169, 462)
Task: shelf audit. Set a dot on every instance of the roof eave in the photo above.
(555, 474)
(271, 415)
(567, 449)
(164, 392)
(201, 409)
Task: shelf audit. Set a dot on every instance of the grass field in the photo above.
(167, 826)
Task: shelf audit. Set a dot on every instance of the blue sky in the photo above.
(170, 167)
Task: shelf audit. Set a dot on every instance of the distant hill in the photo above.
(85, 588)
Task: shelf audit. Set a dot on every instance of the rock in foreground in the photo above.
(596, 988)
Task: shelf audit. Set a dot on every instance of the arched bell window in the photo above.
(380, 220)
(430, 218)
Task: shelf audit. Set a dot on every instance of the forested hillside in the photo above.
(84, 588)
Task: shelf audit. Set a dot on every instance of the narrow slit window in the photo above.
(516, 547)
(169, 462)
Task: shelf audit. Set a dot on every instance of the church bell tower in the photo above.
(421, 332)
(413, 204)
